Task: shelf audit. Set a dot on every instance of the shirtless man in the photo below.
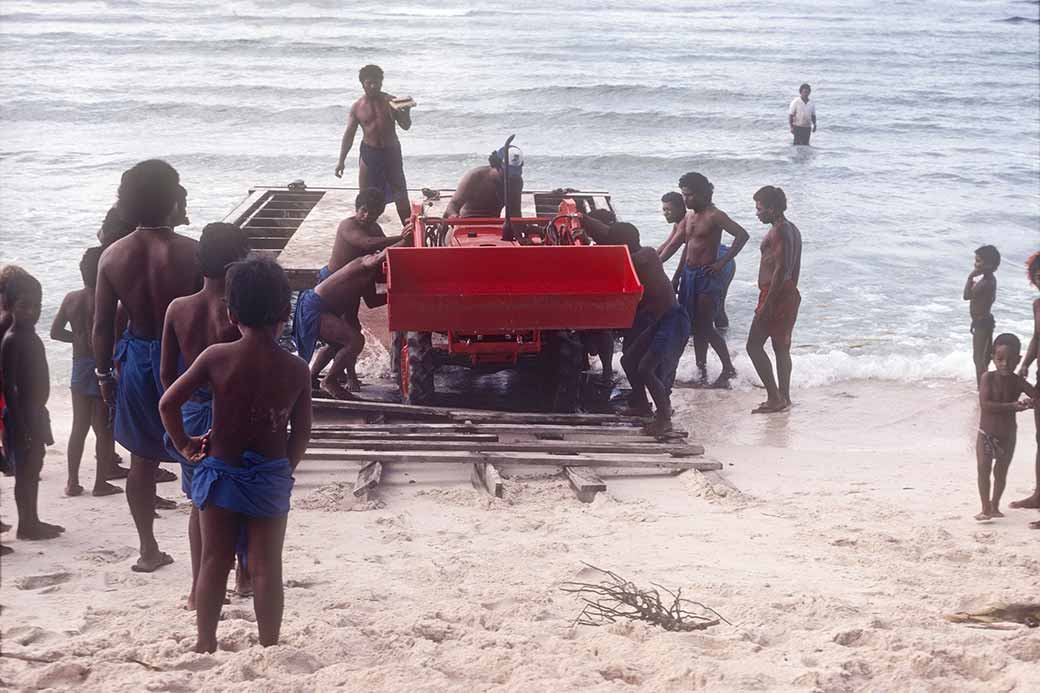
(356, 236)
(673, 207)
(144, 271)
(653, 355)
(320, 313)
(192, 324)
(1033, 354)
(778, 300)
(701, 281)
(261, 424)
(380, 165)
(480, 192)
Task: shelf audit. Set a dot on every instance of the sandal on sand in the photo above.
(164, 475)
(143, 566)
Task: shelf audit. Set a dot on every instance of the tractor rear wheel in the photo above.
(417, 365)
(562, 353)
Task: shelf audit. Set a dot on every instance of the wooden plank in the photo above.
(478, 428)
(585, 483)
(357, 437)
(475, 415)
(367, 479)
(486, 477)
(528, 458)
(563, 447)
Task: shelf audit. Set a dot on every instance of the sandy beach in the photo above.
(847, 539)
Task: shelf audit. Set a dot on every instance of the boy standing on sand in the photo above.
(192, 324)
(1032, 354)
(88, 411)
(243, 478)
(27, 424)
(999, 393)
(981, 291)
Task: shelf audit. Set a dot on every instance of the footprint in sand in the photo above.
(116, 555)
(35, 582)
(240, 614)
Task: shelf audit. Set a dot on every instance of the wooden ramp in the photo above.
(373, 434)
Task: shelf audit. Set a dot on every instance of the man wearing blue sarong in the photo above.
(192, 324)
(261, 424)
(143, 271)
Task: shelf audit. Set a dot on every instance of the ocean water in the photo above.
(929, 139)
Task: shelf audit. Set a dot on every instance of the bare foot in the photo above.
(336, 390)
(73, 490)
(4, 527)
(1034, 525)
(769, 407)
(1032, 501)
(165, 503)
(982, 517)
(658, 427)
(189, 605)
(4, 550)
(722, 382)
(243, 581)
(117, 472)
(995, 513)
(149, 564)
(205, 648)
(353, 385)
(105, 489)
(39, 532)
(164, 475)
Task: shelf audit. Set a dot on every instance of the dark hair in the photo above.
(673, 198)
(989, 254)
(219, 246)
(113, 227)
(373, 71)
(373, 198)
(697, 183)
(22, 285)
(1032, 265)
(1009, 340)
(257, 292)
(604, 215)
(623, 233)
(805, 85)
(7, 273)
(88, 266)
(771, 198)
(148, 193)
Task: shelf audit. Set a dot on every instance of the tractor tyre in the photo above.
(564, 352)
(417, 369)
(396, 345)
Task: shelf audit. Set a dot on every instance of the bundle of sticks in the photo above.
(615, 598)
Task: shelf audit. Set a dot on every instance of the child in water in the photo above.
(244, 465)
(999, 393)
(981, 291)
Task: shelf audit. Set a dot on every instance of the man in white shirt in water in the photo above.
(802, 115)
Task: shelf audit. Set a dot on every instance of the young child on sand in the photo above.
(981, 290)
(77, 311)
(999, 393)
(244, 465)
(1033, 354)
(6, 318)
(27, 426)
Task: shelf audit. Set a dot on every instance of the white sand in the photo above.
(849, 539)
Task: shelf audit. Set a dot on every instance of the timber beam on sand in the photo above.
(368, 478)
(561, 447)
(536, 459)
(584, 482)
(485, 476)
(346, 430)
(473, 415)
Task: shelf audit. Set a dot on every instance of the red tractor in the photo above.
(463, 295)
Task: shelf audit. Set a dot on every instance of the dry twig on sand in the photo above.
(615, 598)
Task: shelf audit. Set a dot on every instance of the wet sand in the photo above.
(849, 538)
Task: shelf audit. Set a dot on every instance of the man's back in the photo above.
(199, 321)
(78, 307)
(481, 191)
(658, 295)
(146, 271)
(346, 246)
